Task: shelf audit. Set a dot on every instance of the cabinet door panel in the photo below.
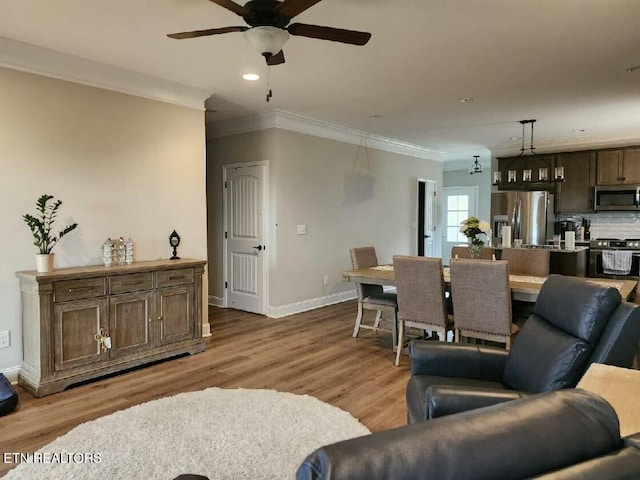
(130, 318)
(609, 162)
(75, 325)
(175, 314)
(575, 194)
(631, 168)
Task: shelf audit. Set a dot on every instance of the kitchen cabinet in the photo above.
(82, 323)
(575, 193)
(519, 165)
(618, 166)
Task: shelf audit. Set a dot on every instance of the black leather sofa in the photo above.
(559, 435)
(574, 324)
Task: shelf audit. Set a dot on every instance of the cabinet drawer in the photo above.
(130, 282)
(181, 276)
(78, 289)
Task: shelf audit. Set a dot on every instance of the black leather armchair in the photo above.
(558, 435)
(574, 324)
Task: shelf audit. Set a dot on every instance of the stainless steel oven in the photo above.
(598, 265)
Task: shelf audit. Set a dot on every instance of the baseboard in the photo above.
(11, 373)
(215, 301)
(311, 304)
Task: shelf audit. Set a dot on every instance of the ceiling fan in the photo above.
(269, 26)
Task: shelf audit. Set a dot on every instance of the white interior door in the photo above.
(245, 246)
(459, 203)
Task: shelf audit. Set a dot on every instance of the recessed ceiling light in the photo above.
(468, 99)
(375, 116)
(516, 138)
(578, 130)
(635, 69)
(252, 77)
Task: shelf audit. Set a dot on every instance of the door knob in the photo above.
(259, 247)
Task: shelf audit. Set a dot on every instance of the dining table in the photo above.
(523, 287)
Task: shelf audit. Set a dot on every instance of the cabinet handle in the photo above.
(150, 320)
(137, 282)
(80, 289)
(176, 277)
(160, 318)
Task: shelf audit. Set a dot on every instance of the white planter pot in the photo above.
(44, 262)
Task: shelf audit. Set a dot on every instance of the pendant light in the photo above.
(542, 172)
(475, 166)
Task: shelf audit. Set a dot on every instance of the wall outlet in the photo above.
(5, 339)
(326, 279)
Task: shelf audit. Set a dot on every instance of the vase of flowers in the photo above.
(476, 231)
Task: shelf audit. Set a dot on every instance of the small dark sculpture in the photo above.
(174, 241)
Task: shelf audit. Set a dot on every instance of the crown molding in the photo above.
(49, 63)
(298, 123)
(583, 142)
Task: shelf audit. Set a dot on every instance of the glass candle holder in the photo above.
(543, 174)
(497, 177)
(526, 175)
(512, 176)
(559, 171)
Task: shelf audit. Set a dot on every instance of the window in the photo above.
(457, 211)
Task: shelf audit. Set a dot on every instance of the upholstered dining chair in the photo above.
(371, 297)
(527, 261)
(462, 251)
(482, 300)
(421, 300)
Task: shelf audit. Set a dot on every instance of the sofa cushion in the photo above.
(544, 358)
(576, 307)
(621, 465)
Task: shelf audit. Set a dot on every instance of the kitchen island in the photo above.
(561, 260)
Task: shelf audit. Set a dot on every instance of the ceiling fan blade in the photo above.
(233, 6)
(276, 59)
(329, 33)
(291, 8)
(204, 33)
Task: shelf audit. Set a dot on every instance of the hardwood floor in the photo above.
(309, 353)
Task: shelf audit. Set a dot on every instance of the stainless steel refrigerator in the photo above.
(529, 214)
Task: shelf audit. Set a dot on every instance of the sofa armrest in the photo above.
(632, 440)
(518, 439)
(441, 400)
(457, 360)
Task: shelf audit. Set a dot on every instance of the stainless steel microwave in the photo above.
(617, 198)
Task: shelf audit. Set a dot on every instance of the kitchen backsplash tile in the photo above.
(610, 225)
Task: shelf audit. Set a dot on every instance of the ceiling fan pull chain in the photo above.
(269, 93)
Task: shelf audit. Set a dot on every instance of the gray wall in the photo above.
(122, 165)
(346, 195)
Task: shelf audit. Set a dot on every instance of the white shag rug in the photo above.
(222, 434)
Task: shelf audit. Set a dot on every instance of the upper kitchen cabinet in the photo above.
(526, 172)
(620, 166)
(575, 193)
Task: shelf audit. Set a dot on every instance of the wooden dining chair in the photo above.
(462, 251)
(482, 300)
(421, 300)
(371, 297)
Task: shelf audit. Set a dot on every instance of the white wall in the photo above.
(346, 195)
(122, 165)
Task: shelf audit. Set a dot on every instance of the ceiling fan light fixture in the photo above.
(266, 40)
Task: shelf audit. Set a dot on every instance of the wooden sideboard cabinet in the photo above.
(85, 322)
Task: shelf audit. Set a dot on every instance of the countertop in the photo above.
(552, 248)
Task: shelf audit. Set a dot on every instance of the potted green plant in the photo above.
(41, 225)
